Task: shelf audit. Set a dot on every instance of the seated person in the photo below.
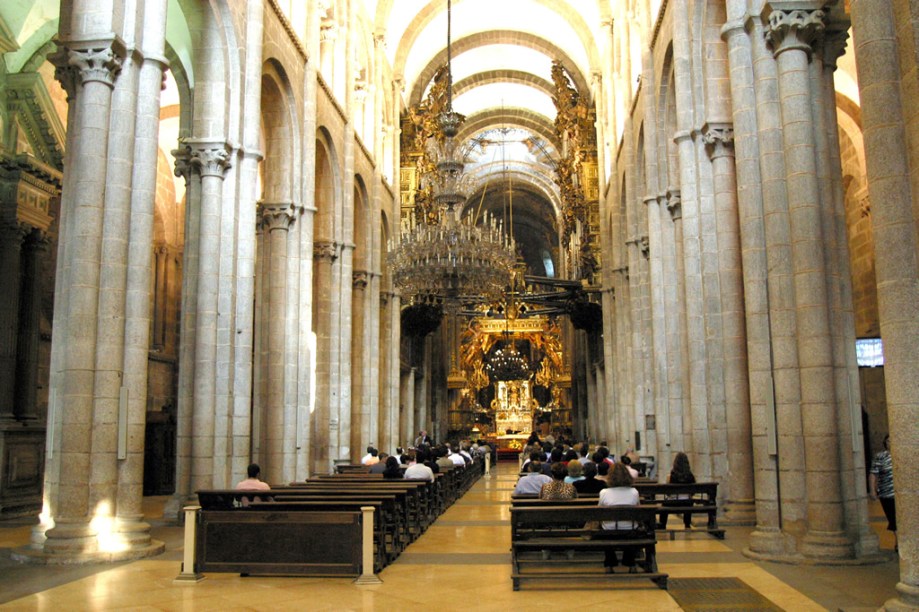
(393, 469)
(627, 462)
(371, 457)
(575, 472)
(681, 473)
(380, 466)
(590, 484)
(252, 483)
(532, 483)
(418, 471)
(619, 493)
(558, 488)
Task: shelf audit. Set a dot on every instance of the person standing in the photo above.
(880, 487)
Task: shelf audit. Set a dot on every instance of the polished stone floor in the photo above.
(461, 563)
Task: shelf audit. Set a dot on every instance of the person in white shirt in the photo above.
(371, 457)
(418, 471)
(619, 493)
(457, 459)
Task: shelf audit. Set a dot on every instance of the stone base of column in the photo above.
(739, 512)
(827, 546)
(71, 543)
(907, 601)
(815, 549)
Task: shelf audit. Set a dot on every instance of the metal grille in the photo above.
(717, 594)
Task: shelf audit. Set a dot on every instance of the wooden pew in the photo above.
(387, 517)
(701, 499)
(323, 542)
(575, 527)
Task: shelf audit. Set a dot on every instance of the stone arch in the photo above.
(326, 192)
(279, 139)
(529, 41)
(363, 239)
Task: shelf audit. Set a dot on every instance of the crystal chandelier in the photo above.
(451, 257)
(507, 363)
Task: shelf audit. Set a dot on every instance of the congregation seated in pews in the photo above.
(314, 527)
(589, 473)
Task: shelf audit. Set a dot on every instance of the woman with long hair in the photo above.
(679, 474)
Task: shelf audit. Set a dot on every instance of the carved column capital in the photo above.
(793, 29)
(277, 215)
(206, 158)
(325, 251)
(12, 230)
(675, 204)
(718, 139)
(360, 279)
(98, 61)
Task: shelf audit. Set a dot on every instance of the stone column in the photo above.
(88, 73)
(406, 408)
(739, 506)
(675, 323)
(160, 296)
(188, 326)
(324, 254)
(12, 234)
(776, 384)
(752, 250)
(276, 219)
(883, 35)
(790, 34)
(210, 160)
(360, 347)
(385, 382)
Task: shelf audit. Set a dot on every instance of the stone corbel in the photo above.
(675, 204)
(326, 251)
(360, 279)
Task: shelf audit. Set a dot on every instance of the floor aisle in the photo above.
(462, 562)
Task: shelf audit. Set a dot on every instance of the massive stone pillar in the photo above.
(753, 254)
(360, 350)
(884, 36)
(324, 254)
(680, 426)
(790, 34)
(386, 382)
(276, 219)
(94, 466)
(407, 408)
(738, 495)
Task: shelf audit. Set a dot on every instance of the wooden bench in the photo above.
(324, 542)
(700, 498)
(575, 527)
(387, 524)
(696, 498)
